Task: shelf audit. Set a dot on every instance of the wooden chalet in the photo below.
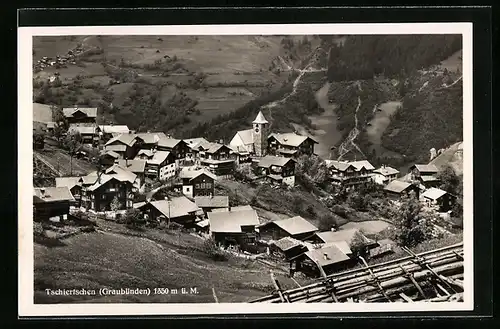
(74, 185)
(278, 169)
(424, 174)
(294, 227)
(330, 259)
(160, 165)
(209, 203)
(197, 182)
(349, 174)
(177, 147)
(51, 202)
(290, 144)
(81, 115)
(396, 189)
(180, 210)
(216, 158)
(437, 198)
(385, 175)
(235, 227)
(126, 145)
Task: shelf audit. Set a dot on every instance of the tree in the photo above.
(357, 201)
(115, 204)
(38, 139)
(450, 181)
(327, 222)
(133, 219)
(72, 142)
(413, 223)
(358, 244)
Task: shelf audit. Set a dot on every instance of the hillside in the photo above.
(452, 156)
(175, 79)
(115, 257)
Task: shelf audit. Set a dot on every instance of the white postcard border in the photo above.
(26, 306)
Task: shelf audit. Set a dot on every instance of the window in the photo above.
(197, 186)
(187, 189)
(208, 185)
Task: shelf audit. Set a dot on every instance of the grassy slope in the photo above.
(228, 60)
(118, 259)
(60, 160)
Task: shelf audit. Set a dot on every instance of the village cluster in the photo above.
(192, 166)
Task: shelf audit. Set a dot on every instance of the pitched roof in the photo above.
(287, 243)
(189, 172)
(260, 118)
(271, 160)
(426, 168)
(327, 256)
(168, 142)
(290, 139)
(362, 163)
(295, 225)
(69, 182)
(127, 139)
(342, 235)
(135, 166)
(397, 186)
(386, 171)
(116, 148)
(232, 221)
(216, 201)
(120, 173)
(338, 165)
(89, 111)
(148, 153)
(114, 129)
(158, 157)
(52, 194)
(246, 136)
(151, 138)
(428, 178)
(433, 193)
(192, 142)
(91, 178)
(112, 154)
(82, 129)
(342, 245)
(176, 207)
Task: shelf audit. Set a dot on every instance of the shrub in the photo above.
(213, 251)
(133, 219)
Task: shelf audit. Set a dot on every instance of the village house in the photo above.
(385, 175)
(101, 188)
(197, 182)
(290, 144)
(74, 185)
(288, 248)
(251, 141)
(294, 227)
(349, 174)
(216, 158)
(396, 189)
(177, 147)
(192, 143)
(126, 145)
(160, 165)
(81, 115)
(51, 202)
(278, 169)
(138, 167)
(180, 210)
(330, 259)
(209, 203)
(437, 198)
(234, 227)
(106, 132)
(150, 139)
(354, 238)
(424, 174)
(87, 133)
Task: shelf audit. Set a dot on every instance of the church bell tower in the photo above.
(260, 133)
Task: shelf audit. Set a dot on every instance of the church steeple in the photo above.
(260, 133)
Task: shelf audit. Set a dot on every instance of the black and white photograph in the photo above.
(325, 167)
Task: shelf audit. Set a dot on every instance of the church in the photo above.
(252, 141)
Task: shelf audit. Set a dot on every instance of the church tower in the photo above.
(260, 134)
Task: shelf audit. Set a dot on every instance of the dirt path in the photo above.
(349, 143)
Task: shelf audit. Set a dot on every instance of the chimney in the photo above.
(325, 256)
(221, 141)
